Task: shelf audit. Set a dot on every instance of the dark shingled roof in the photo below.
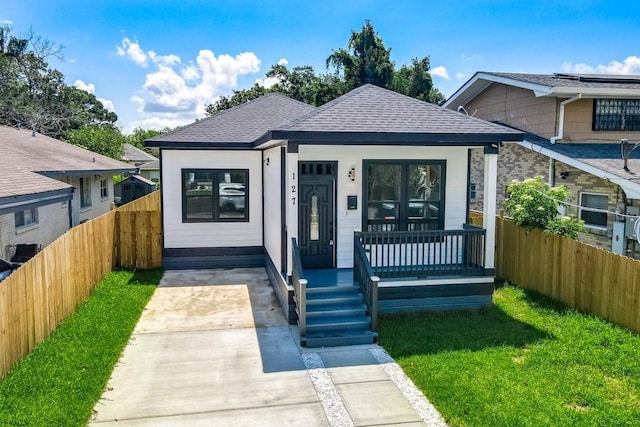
(372, 109)
(241, 124)
(604, 156)
(574, 80)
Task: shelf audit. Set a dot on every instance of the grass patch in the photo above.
(526, 361)
(62, 379)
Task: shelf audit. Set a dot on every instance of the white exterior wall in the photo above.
(210, 234)
(353, 156)
(272, 213)
(98, 206)
(53, 221)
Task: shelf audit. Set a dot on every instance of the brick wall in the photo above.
(53, 221)
(516, 162)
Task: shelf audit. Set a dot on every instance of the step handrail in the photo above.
(299, 286)
(367, 280)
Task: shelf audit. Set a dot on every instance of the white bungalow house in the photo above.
(48, 186)
(363, 199)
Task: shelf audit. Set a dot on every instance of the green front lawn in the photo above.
(526, 361)
(61, 380)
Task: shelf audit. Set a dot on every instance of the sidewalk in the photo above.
(212, 348)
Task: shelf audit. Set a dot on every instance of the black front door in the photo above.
(316, 219)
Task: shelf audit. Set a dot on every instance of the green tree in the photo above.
(34, 95)
(105, 139)
(365, 60)
(534, 204)
(138, 136)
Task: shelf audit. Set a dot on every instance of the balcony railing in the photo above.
(367, 281)
(299, 287)
(425, 253)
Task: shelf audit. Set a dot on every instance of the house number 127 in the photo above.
(293, 190)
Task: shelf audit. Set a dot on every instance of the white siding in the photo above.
(272, 212)
(352, 157)
(210, 234)
(53, 221)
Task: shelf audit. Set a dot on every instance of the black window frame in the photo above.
(616, 114)
(215, 196)
(402, 219)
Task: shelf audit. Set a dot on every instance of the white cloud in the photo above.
(175, 92)
(6, 22)
(581, 68)
(630, 65)
(471, 57)
(133, 51)
(461, 75)
(108, 104)
(268, 82)
(283, 61)
(89, 87)
(440, 71)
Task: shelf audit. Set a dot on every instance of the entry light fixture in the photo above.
(352, 174)
(266, 161)
(564, 175)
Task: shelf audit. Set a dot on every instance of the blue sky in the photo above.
(158, 63)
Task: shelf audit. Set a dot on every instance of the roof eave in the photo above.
(481, 80)
(84, 172)
(595, 92)
(395, 138)
(631, 189)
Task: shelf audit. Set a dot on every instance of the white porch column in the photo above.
(489, 203)
(292, 201)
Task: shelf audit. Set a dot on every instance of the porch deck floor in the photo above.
(322, 277)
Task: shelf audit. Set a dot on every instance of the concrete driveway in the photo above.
(213, 348)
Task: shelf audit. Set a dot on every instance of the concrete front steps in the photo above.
(336, 316)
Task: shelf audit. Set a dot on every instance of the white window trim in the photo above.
(592, 226)
(28, 227)
(103, 198)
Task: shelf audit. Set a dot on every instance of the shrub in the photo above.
(534, 204)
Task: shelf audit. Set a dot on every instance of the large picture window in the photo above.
(212, 195)
(594, 201)
(404, 195)
(616, 114)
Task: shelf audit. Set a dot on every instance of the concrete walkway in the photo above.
(213, 349)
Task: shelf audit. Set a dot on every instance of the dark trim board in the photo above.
(284, 293)
(435, 297)
(226, 257)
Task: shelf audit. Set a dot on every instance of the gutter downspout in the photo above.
(561, 117)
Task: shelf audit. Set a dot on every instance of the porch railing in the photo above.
(299, 287)
(425, 253)
(367, 280)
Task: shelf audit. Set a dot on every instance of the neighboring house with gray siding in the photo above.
(574, 124)
(48, 186)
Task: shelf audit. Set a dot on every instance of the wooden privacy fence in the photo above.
(50, 286)
(582, 276)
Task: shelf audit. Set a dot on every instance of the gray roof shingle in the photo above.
(574, 80)
(134, 154)
(372, 109)
(241, 124)
(23, 155)
(604, 156)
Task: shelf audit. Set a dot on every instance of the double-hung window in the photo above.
(85, 193)
(26, 218)
(404, 195)
(215, 195)
(104, 189)
(591, 218)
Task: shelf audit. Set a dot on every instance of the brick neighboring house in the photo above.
(48, 186)
(574, 124)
